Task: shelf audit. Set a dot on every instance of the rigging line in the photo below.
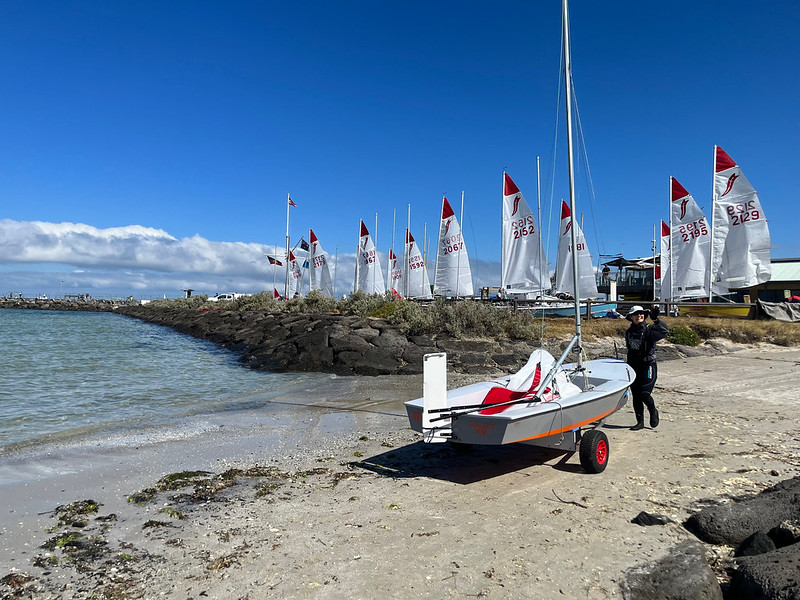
(584, 155)
(553, 159)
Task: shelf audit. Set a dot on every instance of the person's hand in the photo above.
(654, 312)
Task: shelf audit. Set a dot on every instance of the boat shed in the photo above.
(784, 282)
(634, 280)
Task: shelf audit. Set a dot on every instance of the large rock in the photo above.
(771, 576)
(734, 522)
(684, 574)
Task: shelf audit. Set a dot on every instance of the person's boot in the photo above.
(639, 423)
(654, 418)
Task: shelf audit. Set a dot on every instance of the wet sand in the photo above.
(355, 505)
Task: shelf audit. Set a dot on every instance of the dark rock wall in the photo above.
(345, 345)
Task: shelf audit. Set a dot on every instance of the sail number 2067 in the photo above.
(452, 244)
(743, 212)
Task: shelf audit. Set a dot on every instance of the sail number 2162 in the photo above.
(742, 213)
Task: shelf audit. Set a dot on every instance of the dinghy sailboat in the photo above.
(453, 276)
(547, 403)
(524, 266)
(739, 245)
(369, 277)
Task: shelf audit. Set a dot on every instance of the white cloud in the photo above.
(53, 258)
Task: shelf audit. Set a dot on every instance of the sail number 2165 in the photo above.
(742, 213)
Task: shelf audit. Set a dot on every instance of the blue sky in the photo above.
(171, 132)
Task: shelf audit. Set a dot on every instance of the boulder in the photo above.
(770, 576)
(758, 543)
(683, 574)
(734, 522)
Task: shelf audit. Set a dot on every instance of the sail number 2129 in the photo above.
(742, 213)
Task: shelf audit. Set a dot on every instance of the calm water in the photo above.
(68, 375)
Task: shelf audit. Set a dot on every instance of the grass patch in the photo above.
(683, 336)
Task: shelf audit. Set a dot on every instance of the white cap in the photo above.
(635, 309)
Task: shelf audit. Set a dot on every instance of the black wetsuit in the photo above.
(641, 342)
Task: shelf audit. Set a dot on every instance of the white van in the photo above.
(227, 297)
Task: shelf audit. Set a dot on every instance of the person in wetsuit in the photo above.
(640, 340)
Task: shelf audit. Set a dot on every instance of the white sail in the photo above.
(524, 266)
(368, 267)
(397, 273)
(418, 285)
(740, 255)
(664, 275)
(453, 273)
(691, 243)
(320, 274)
(587, 286)
(295, 276)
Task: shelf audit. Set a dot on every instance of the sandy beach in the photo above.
(347, 502)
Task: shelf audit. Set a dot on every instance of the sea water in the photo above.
(66, 377)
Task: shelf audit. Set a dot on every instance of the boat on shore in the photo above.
(547, 403)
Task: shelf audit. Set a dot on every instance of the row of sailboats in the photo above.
(524, 270)
(701, 260)
(409, 278)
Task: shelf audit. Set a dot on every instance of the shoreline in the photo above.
(388, 515)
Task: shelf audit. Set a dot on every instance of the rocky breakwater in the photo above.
(89, 305)
(344, 345)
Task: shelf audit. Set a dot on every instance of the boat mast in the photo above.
(502, 233)
(358, 257)
(656, 243)
(406, 260)
(539, 227)
(713, 224)
(288, 204)
(571, 168)
(671, 268)
(438, 246)
(458, 260)
(389, 269)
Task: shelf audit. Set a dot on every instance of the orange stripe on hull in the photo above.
(570, 428)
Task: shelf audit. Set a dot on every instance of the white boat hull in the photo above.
(607, 392)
